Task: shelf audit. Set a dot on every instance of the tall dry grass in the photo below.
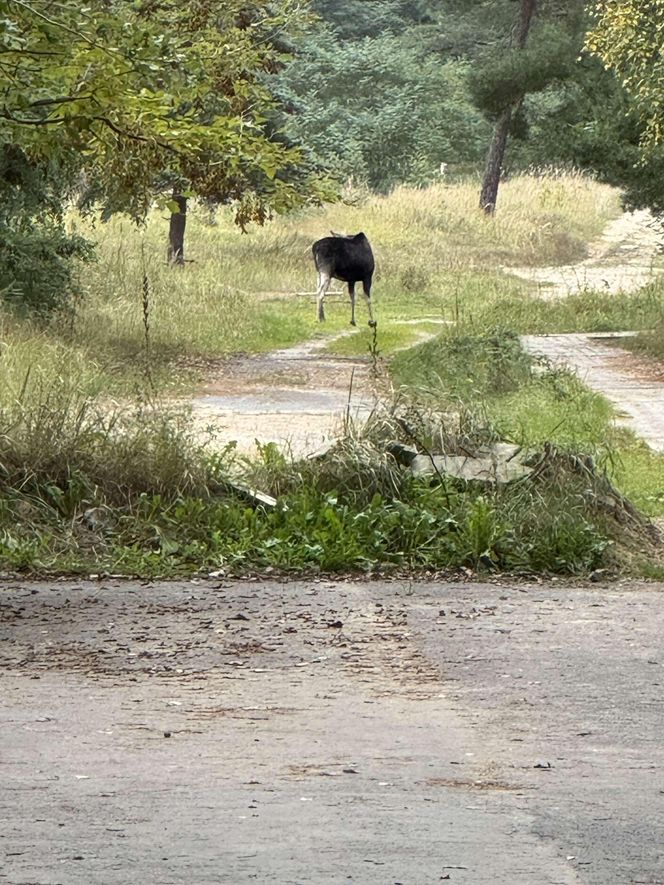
(237, 290)
(437, 255)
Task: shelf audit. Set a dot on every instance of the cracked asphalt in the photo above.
(329, 732)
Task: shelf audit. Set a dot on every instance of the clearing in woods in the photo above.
(298, 397)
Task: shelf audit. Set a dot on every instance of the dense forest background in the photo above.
(385, 91)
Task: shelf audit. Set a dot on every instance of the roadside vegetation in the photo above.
(650, 341)
(100, 475)
(247, 115)
(137, 493)
(495, 385)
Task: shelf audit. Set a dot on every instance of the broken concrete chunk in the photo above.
(252, 496)
(499, 463)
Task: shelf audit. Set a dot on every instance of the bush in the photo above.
(88, 490)
(465, 366)
(36, 253)
(37, 266)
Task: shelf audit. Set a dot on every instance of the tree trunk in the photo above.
(494, 162)
(176, 228)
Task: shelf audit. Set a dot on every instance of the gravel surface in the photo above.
(315, 732)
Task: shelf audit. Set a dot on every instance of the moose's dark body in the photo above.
(345, 258)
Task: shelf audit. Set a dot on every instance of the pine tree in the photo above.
(489, 192)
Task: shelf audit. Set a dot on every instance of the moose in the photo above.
(345, 258)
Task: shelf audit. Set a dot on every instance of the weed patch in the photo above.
(87, 486)
(137, 494)
(650, 340)
(487, 381)
(465, 367)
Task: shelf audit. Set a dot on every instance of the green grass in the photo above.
(136, 494)
(583, 312)
(436, 256)
(491, 376)
(135, 491)
(87, 485)
(391, 338)
(473, 303)
(650, 341)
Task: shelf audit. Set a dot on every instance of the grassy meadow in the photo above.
(437, 257)
(496, 386)
(90, 486)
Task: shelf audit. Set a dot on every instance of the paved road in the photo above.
(635, 387)
(327, 733)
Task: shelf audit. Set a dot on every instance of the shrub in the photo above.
(37, 266)
(36, 253)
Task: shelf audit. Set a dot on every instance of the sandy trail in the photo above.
(623, 259)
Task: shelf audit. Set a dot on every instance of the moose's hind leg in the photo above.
(351, 292)
(324, 280)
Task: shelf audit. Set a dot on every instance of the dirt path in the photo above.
(622, 260)
(297, 397)
(317, 732)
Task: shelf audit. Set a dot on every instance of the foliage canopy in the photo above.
(146, 92)
(628, 36)
(119, 101)
(628, 125)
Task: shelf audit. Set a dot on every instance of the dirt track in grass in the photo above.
(623, 259)
(299, 397)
